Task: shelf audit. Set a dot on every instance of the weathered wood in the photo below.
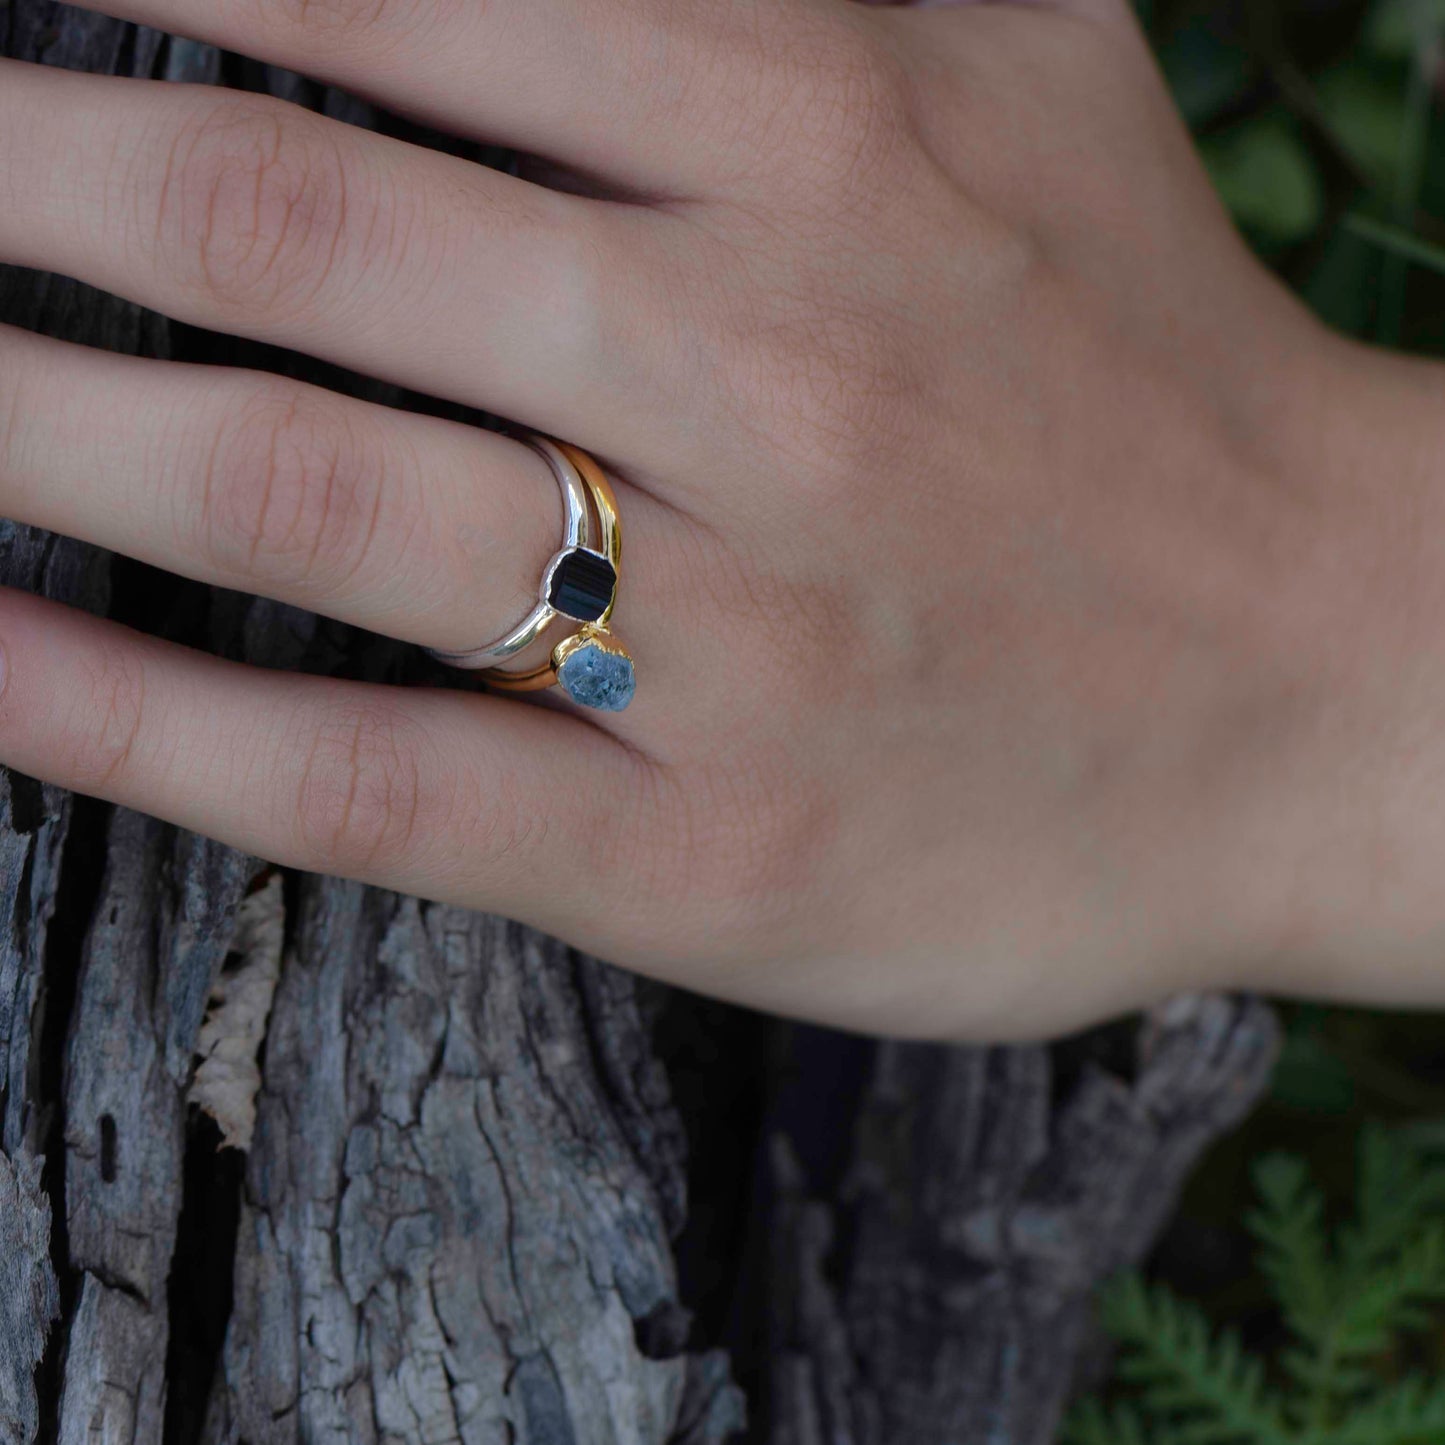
(460, 1242)
(28, 1299)
(940, 1294)
(456, 1216)
(161, 928)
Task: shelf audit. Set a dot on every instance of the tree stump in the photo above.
(493, 1192)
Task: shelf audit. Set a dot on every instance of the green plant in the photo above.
(1323, 128)
(1350, 1301)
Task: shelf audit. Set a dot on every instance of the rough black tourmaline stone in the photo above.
(582, 585)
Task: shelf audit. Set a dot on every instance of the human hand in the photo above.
(970, 568)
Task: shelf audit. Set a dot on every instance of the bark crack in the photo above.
(82, 867)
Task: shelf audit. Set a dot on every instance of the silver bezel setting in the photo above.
(550, 573)
(577, 533)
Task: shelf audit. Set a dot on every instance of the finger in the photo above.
(646, 93)
(453, 796)
(248, 215)
(417, 528)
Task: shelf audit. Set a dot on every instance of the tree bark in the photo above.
(463, 1211)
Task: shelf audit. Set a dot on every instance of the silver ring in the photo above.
(571, 582)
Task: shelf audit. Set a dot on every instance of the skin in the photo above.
(1034, 609)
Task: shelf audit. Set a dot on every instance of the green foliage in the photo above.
(1365, 106)
(1401, 243)
(1396, 27)
(1266, 176)
(1205, 70)
(1349, 1300)
(1202, 1382)
(1121, 1424)
(1323, 128)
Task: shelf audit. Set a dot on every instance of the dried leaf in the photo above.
(228, 1077)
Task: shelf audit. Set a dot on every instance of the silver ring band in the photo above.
(577, 534)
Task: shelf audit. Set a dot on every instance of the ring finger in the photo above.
(417, 528)
(639, 93)
(248, 215)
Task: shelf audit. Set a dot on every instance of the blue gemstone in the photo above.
(596, 677)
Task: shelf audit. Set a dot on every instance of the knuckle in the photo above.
(254, 206)
(834, 384)
(293, 496)
(328, 18)
(363, 805)
(849, 106)
(354, 24)
(748, 844)
(829, 388)
(110, 729)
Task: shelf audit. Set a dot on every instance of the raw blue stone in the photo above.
(595, 677)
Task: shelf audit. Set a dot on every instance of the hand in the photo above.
(971, 573)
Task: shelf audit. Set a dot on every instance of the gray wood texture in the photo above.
(465, 1213)
(979, 1206)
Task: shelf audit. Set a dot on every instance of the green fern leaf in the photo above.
(1398, 1191)
(1190, 1378)
(1389, 1301)
(1375, 1307)
(1409, 1413)
(1091, 1424)
(1294, 1253)
(1349, 1298)
(1348, 1309)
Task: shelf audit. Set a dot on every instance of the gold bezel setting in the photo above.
(595, 670)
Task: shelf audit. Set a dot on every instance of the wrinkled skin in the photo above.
(1019, 634)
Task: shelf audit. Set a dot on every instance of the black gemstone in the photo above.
(582, 585)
